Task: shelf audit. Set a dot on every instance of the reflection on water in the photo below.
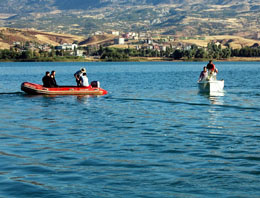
(152, 136)
(85, 99)
(216, 98)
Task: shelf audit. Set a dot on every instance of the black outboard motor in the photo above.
(95, 84)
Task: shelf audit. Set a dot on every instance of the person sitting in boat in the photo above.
(203, 74)
(53, 80)
(84, 80)
(46, 80)
(78, 74)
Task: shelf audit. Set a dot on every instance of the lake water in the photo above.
(152, 136)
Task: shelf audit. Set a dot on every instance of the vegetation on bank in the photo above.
(37, 56)
(212, 51)
(194, 53)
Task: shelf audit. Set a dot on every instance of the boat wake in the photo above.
(11, 93)
(182, 102)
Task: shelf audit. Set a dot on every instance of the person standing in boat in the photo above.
(84, 80)
(53, 80)
(211, 67)
(46, 80)
(212, 70)
(78, 74)
(203, 74)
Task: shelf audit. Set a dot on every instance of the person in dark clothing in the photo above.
(46, 80)
(78, 75)
(53, 80)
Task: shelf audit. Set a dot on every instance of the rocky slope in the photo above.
(178, 17)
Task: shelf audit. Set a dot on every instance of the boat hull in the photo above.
(36, 89)
(211, 86)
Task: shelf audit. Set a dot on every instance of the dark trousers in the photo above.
(78, 82)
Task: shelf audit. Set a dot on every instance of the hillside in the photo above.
(178, 17)
(98, 39)
(21, 6)
(10, 35)
(235, 42)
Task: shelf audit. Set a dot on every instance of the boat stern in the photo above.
(211, 86)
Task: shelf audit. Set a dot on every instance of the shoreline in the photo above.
(161, 59)
(146, 59)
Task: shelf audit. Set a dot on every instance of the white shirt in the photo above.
(84, 81)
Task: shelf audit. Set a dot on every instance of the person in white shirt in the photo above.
(203, 74)
(84, 80)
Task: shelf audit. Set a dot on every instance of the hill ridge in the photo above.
(180, 17)
(9, 36)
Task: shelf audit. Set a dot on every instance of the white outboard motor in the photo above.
(95, 84)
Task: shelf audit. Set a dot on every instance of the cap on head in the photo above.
(83, 70)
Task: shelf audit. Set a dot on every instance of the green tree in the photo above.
(36, 54)
(200, 53)
(26, 55)
(168, 52)
(177, 54)
(188, 54)
(112, 54)
(226, 53)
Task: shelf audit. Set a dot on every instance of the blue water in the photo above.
(152, 136)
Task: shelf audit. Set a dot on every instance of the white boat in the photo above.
(211, 85)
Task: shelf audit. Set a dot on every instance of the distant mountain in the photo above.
(179, 17)
(20, 6)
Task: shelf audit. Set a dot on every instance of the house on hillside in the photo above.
(217, 43)
(171, 38)
(116, 33)
(188, 47)
(98, 33)
(163, 48)
(142, 35)
(45, 47)
(147, 47)
(66, 46)
(119, 41)
(148, 41)
(16, 43)
(136, 37)
(126, 36)
(79, 52)
(131, 35)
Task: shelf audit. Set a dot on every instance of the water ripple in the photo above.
(182, 102)
(144, 139)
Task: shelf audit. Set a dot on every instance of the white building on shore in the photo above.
(119, 41)
(66, 46)
(116, 33)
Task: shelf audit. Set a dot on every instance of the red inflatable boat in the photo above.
(32, 88)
